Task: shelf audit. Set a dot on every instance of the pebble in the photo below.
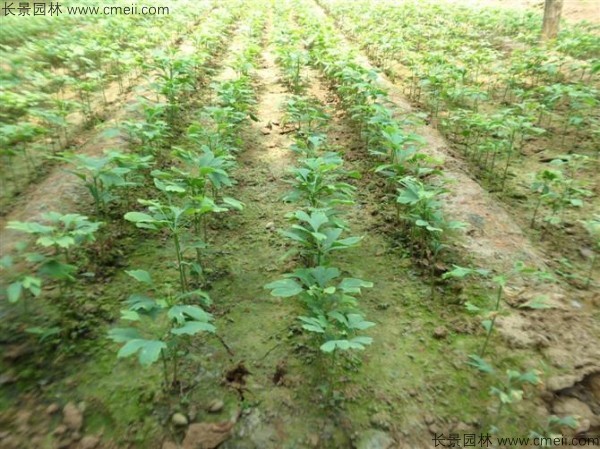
(89, 442)
(60, 430)
(215, 406)
(179, 419)
(52, 409)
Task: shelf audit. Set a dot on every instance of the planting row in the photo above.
(499, 107)
(416, 189)
(54, 85)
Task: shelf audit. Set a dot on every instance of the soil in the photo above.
(269, 384)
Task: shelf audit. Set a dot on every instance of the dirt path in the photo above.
(569, 335)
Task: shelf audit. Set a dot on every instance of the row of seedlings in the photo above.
(63, 258)
(330, 311)
(72, 77)
(420, 200)
(188, 195)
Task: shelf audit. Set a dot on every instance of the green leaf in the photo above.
(472, 307)
(148, 350)
(328, 346)
(284, 288)
(130, 315)
(139, 217)
(194, 327)
(180, 313)
(353, 285)
(487, 325)
(480, 364)
(14, 291)
(233, 203)
(539, 302)
(141, 276)
(123, 334)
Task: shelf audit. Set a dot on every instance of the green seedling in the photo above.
(165, 325)
(318, 234)
(62, 235)
(316, 182)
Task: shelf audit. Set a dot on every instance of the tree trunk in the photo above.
(552, 11)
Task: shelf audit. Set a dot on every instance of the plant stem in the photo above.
(489, 333)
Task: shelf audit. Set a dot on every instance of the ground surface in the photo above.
(264, 391)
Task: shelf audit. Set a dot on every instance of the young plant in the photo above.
(593, 227)
(318, 234)
(165, 216)
(104, 175)
(316, 182)
(62, 235)
(164, 326)
(332, 304)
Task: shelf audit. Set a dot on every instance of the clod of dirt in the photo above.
(72, 417)
(16, 352)
(381, 421)
(7, 378)
(440, 332)
(207, 435)
(89, 442)
(60, 430)
(594, 385)
(215, 406)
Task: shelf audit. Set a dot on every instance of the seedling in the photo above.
(165, 325)
(63, 235)
(316, 182)
(318, 234)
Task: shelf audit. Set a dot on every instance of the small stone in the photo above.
(7, 378)
(60, 430)
(440, 332)
(429, 419)
(462, 427)
(76, 436)
(584, 426)
(179, 419)
(89, 442)
(72, 417)
(52, 409)
(215, 406)
(270, 226)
